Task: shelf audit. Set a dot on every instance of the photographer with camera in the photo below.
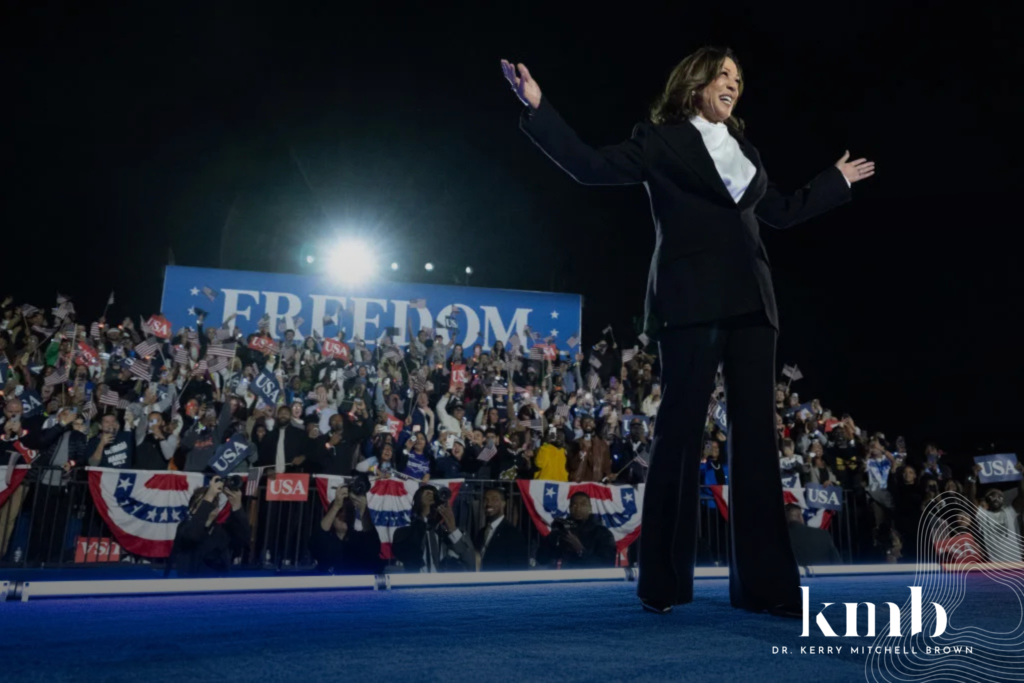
(201, 546)
(578, 541)
(432, 542)
(346, 542)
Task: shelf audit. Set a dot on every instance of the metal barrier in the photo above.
(51, 521)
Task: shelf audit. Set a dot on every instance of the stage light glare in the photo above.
(352, 261)
(469, 270)
(394, 266)
(309, 259)
(429, 266)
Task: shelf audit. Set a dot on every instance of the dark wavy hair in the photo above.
(680, 100)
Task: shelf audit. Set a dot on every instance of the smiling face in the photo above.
(718, 98)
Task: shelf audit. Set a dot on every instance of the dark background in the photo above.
(245, 139)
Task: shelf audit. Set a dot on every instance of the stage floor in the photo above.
(550, 632)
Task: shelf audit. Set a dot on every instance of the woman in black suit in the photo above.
(709, 300)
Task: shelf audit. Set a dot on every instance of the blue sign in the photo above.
(230, 454)
(31, 403)
(266, 387)
(367, 310)
(718, 415)
(820, 497)
(997, 468)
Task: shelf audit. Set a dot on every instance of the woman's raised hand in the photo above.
(525, 87)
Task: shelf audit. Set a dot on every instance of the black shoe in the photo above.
(655, 607)
(786, 611)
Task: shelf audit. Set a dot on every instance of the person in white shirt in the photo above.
(998, 522)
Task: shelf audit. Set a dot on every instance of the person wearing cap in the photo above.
(450, 412)
(450, 465)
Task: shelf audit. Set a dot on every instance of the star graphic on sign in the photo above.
(163, 516)
(627, 497)
(554, 333)
(124, 484)
(176, 516)
(192, 310)
(554, 315)
(195, 291)
(550, 492)
(151, 515)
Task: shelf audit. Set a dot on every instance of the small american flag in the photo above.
(593, 380)
(200, 369)
(69, 331)
(89, 411)
(418, 303)
(487, 453)
(417, 383)
(536, 353)
(297, 323)
(143, 327)
(224, 333)
(792, 372)
(64, 310)
(140, 369)
(536, 424)
(180, 355)
(572, 341)
(252, 482)
(264, 322)
(192, 335)
(629, 354)
(218, 364)
(109, 398)
(28, 310)
(562, 411)
(61, 298)
(147, 348)
(499, 390)
(595, 362)
(94, 330)
(349, 372)
(221, 350)
(45, 331)
(211, 293)
(644, 339)
(57, 377)
(393, 353)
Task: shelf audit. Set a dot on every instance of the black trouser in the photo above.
(764, 572)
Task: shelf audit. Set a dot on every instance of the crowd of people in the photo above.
(143, 397)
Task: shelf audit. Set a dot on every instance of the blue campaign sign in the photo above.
(997, 468)
(367, 310)
(821, 497)
(719, 416)
(266, 387)
(229, 455)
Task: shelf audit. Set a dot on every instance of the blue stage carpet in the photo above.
(563, 633)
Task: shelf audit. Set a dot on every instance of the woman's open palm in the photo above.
(525, 87)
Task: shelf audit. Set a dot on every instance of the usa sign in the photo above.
(288, 487)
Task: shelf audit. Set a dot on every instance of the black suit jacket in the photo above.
(506, 550)
(296, 443)
(709, 262)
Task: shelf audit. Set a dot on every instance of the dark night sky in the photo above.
(134, 131)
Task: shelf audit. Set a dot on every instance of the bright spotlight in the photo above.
(309, 259)
(394, 266)
(351, 262)
(469, 270)
(429, 266)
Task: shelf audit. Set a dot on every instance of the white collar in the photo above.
(495, 523)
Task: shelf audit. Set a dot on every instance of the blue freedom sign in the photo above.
(997, 468)
(820, 497)
(316, 304)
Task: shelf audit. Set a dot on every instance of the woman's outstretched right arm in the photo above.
(621, 164)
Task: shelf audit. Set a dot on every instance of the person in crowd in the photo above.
(630, 456)
(450, 465)
(551, 457)
(589, 457)
(345, 541)
(999, 523)
(286, 446)
(499, 544)
(790, 462)
(204, 547)
(201, 440)
(819, 471)
(432, 542)
(339, 450)
(579, 542)
(811, 546)
(112, 446)
(933, 467)
(907, 500)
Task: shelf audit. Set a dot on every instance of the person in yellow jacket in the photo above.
(550, 458)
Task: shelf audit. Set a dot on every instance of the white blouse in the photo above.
(732, 164)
